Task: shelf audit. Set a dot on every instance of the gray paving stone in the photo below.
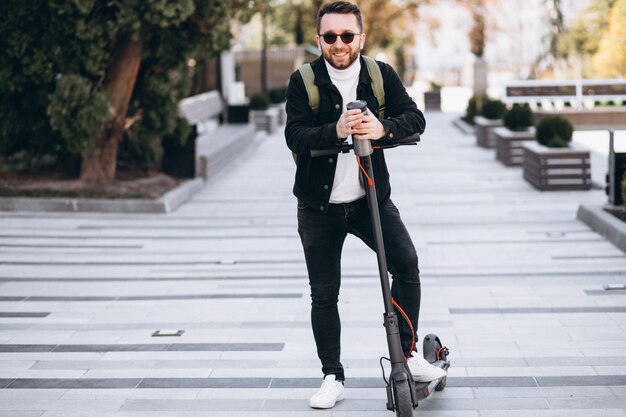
(556, 413)
(5, 382)
(178, 347)
(84, 406)
(8, 314)
(118, 413)
(228, 347)
(484, 404)
(148, 297)
(67, 383)
(532, 371)
(171, 393)
(191, 405)
(561, 361)
(581, 380)
(543, 392)
(204, 383)
(16, 364)
(587, 402)
(26, 348)
(491, 382)
(532, 310)
(29, 394)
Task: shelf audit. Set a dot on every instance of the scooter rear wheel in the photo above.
(433, 352)
(402, 397)
(442, 383)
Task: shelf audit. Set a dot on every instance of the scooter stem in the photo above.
(391, 320)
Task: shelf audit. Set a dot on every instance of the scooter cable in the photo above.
(369, 180)
(410, 325)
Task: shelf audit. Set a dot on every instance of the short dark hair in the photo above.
(340, 7)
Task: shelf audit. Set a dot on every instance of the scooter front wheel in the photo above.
(402, 397)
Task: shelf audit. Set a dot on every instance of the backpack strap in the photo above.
(377, 84)
(306, 71)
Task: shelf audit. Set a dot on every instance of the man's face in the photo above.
(340, 54)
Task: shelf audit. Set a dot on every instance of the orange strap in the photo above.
(410, 325)
(369, 180)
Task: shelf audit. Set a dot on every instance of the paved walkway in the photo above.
(512, 283)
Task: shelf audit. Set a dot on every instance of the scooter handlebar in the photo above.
(321, 152)
(346, 147)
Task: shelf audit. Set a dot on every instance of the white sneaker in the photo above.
(423, 371)
(330, 392)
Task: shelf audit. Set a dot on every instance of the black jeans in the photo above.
(322, 236)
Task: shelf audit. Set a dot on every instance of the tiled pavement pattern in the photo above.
(512, 283)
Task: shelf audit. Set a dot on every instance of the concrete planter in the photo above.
(282, 113)
(509, 144)
(432, 100)
(266, 120)
(601, 220)
(556, 168)
(238, 113)
(484, 131)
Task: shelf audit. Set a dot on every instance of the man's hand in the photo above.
(347, 122)
(360, 126)
(370, 128)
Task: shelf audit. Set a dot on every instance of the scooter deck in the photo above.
(424, 389)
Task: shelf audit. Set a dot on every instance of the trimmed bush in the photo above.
(472, 110)
(493, 109)
(554, 132)
(519, 118)
(435, 85)
(259, 102)
(276, 95)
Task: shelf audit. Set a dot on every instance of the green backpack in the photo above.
(306, 71)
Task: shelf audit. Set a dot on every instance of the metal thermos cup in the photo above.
(361, 147)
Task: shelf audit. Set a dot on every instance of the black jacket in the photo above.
(304, 131)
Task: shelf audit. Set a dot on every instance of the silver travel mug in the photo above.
(361, 147)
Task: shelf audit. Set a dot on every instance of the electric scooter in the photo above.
(403, 394)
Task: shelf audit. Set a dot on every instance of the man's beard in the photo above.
(331, 59)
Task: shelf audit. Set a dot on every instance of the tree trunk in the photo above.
(100, 157)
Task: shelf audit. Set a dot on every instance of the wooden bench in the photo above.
(216, 143)
(578, 93)
(574, 91)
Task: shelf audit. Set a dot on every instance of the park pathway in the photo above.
(512, 283)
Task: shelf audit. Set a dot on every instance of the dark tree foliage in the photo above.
(80, 76)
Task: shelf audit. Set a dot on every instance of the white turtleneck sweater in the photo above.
(347, 186)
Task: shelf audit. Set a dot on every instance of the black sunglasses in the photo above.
(331, 38)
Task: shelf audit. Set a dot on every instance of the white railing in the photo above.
(577, 92)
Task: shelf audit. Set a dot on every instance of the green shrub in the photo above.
(435, 85)
(519, 118)
(276, 95)
(259, 102)
(493, 109)
(75, 112)
(472, 109)
(554, 132)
